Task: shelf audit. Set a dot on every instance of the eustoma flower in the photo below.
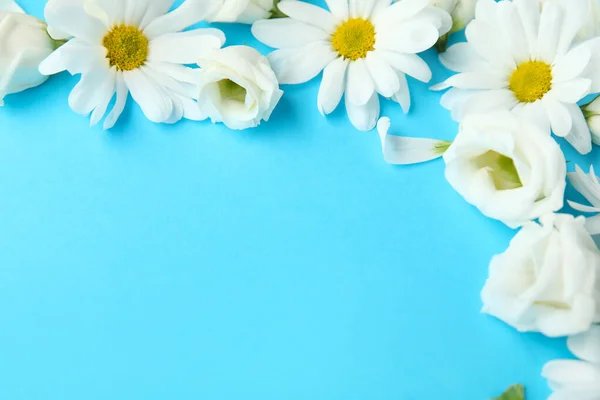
(364, 48)
(577, 379)
(130, 46)
(546, 281)
(506, 167)
(237, 87)
(24, 43)
(242, 11)
(520, 58)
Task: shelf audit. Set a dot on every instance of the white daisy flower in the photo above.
(130, 46)
(363, 47)
(577, 379)
(518, 57)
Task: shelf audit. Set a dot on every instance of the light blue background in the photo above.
(285, 262)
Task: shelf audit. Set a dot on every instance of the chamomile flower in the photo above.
(130, 46)
(364, 48)
(520, 57)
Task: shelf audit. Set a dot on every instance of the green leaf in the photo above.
(515, 392)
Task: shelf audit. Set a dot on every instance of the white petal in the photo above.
(462, 58)
(361, 8)
(87, 93)
(185, 47)
(406, 150)
(571, 65)
(512, 30)
(339, 8)
(592, 225)
(301, 65)
(10, 6)
(586, 185)
(486, 42)
(571, 91)
(580, 136)
(364, 117)
(283, 33)
(122, 93)
(571, 372)
(107, 92)
(384, 76)
(548, 35)
(186, 15)
(402, 96)
(478, 80)
(156, 8)
(583, 208)
(410, 64)
(75, 56)
(529, 10)
(150, 97)
(574, 15)
(402, 10)
(360, 86)
(586, 346)
(487, 100)
(332, 86)
(410, 37)
(309, 14)
(559, 116)
(70, 17)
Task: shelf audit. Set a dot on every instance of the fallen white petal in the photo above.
(408, 150)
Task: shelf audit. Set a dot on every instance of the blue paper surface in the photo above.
(285, 262)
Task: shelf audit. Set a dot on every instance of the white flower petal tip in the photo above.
(588, 186)
(237, 87)
(507, 167)
(10, 6)
(507, 44)
(153, 70)
(407, 150)
(546, 280)
(359, 67)
(24, 43)
(586, 346)
(574, 379)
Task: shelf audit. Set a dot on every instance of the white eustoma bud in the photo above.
(591, 112)
(461, 11)
(507, 167)
(243, 11)
(24, 44)
(547, 279)
(237, 87)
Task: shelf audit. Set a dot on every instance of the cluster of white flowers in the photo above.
(525, 66)
(521, 74)
(122, 47)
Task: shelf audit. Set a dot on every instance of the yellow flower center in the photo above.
(354, 38)
(127, 47)
(531, 81)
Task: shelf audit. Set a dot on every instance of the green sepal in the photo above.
(515, 392)
(276, 12)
